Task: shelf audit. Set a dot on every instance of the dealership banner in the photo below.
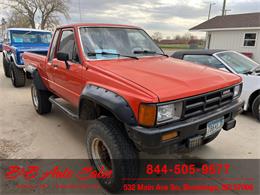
(157, 176)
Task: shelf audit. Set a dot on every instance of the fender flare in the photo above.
(111, 101)
(37, 81)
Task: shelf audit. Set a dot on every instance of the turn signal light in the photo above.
(169, 135)
(147, 115)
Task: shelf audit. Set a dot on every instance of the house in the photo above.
(240, 32)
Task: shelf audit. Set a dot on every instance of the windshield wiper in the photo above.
(254, 69)
(149, 52)
(110, 53)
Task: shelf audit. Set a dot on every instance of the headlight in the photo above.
(169, 112)
(152, 114)
(237, 91)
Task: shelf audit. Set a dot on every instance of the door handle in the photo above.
(55, 65)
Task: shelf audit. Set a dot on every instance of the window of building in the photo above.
(250, 39)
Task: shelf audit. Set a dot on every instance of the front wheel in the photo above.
(110, 150)
(256, 107)
(17, 76)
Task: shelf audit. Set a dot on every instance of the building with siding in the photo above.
(239, 32)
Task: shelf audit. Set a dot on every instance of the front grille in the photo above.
(211, 101)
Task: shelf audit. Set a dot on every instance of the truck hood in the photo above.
(169, 78)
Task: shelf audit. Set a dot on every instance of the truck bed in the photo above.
(34, 59)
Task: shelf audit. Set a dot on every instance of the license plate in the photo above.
(214, 126)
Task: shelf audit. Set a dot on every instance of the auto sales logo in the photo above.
(156, 175)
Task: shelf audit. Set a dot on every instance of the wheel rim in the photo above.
(35, 97)
(259, 110)
(101, 155)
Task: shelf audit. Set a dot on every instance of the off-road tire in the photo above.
(124, 156)
(43, 105)
(256, 107)
(17, 76)
(6, 66)
(211, 138)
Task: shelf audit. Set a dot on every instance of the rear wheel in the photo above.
(110, 150)
(40, 100)
(6, 67)
(256, 107)
(17, 76)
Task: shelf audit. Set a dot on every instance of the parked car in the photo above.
(233, 62)
(17, 41)
(134, 96)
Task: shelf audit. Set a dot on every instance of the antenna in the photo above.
(80, 17)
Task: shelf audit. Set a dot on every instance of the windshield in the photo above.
(238, 62)
(31, 37)
(106, 42)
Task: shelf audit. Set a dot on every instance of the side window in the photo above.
(250, 39)
(205, 60)
(68, 45)
(53, 45)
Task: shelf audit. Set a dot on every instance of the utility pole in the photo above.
(224, 8)
(227, 10)
(80, 17)
(210, 6)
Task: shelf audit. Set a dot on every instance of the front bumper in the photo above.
(149, 139)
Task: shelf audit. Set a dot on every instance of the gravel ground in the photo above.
(25, 134)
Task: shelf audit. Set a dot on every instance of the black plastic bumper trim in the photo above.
(149, 139)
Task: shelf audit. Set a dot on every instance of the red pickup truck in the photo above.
(134, 96)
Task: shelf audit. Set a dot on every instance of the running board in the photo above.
(67, 111)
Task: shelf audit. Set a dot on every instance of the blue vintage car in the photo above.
(16, 42)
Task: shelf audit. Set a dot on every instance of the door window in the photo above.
(53, 45)
(68, 45)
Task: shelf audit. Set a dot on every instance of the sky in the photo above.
(170, 17)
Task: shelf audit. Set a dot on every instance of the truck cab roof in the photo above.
(98, 25)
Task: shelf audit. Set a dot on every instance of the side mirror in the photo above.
(63, 57)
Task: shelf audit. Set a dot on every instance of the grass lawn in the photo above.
(177, 46)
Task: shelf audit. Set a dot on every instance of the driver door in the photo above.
(68, 79)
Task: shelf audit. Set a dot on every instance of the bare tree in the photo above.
(177, 37)
(48, 11)
(16, 19)
(33, 12)
(157, 36)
